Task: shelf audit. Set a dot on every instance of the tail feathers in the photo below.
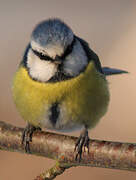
(112, 71)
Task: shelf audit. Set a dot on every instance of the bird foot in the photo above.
(27, 136)
(82, 142)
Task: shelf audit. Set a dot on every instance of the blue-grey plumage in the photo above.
(52, 31)
(60, 83)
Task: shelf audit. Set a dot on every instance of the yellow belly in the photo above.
(83, 99)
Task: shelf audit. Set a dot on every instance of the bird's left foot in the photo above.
(82, 142)
(27, 136)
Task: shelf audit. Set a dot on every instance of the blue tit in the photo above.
(60, 83)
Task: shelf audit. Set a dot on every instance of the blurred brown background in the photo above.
(110, 28)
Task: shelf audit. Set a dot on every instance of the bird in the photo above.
(60, 84)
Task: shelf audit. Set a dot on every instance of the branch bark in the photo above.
(106, 154)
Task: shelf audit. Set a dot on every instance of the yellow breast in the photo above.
(83, 99)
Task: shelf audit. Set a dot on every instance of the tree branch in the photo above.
(52, 173)
(115, 155)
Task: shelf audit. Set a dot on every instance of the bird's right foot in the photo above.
(27, 136)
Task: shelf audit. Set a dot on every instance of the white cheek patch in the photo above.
(40, 69)
(76, 61)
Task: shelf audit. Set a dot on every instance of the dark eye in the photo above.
(42, 56)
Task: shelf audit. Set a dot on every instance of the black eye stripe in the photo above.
(41, 56)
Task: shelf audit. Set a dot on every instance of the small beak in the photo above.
(57, 60)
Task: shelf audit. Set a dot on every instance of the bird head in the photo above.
(52, 42)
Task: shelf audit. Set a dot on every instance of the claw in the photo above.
(82, 142)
